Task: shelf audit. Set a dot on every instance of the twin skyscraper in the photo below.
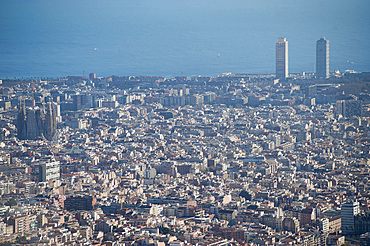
(322, 58)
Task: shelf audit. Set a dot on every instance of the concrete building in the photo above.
(49, 171)
(291, 224)
(80, 101)
(335, 224)
(349, 108)
(348, 212)
(6, 105)
(79, 203)
(282, 58)
(324, 225)
(227, 214)
(150, 173)
(322, 58)
(362, 223)
(23, 224)
(306, 216)
(335, 240)
(92, 76)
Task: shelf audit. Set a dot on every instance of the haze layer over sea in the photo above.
(173, 37)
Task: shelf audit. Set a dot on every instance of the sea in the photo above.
(52, 39)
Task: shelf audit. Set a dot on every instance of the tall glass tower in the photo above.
(322, 58)
(282, 58)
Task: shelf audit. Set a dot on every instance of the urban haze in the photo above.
(178, 123)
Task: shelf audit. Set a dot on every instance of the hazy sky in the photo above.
(58, 38)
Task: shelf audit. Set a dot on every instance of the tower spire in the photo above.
(43, 100)
(33, 94)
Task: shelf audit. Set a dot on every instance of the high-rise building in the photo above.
(92, 76)
(34, 122)
(282, 58)
(348, 212)
(362, 223)
(80, 101)
(349, 108)
(322, 58)
(49, 171)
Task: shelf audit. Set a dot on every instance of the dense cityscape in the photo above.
(234, 159)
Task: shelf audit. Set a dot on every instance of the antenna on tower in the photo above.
(43, 100)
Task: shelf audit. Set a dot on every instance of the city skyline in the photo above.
(231, 159)
(185, 123)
